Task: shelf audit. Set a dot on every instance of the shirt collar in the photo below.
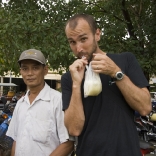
(43, 95)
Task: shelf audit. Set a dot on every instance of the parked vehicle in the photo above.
(5, 141)
(146, 127)
(5, 117)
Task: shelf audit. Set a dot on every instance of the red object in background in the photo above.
(145, 151)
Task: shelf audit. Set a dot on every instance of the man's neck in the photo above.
(34, 91)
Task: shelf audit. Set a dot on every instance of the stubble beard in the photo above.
(90, 53)
(94, 49)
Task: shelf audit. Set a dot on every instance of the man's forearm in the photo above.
(137, 98)
(74, 115)
(63, 149)
(13, 148)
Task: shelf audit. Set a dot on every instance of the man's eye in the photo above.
(35, 68)
(71, 42)
(24, 69)
(83, 39)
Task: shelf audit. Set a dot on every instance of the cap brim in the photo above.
(31, 59)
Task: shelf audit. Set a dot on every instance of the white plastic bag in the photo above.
(92, 83)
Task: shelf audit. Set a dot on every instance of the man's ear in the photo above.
(97, 34)
(20, 71)
(45, 70)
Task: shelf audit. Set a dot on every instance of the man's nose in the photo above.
(79, 47)
(30, 71)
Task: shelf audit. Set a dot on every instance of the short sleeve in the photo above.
(12, 129)
(66, 85)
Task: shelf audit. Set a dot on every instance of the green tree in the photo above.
(34, 24)
(127, 25)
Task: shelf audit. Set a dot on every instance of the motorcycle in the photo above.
(146, 128)
(147, 148)
(5, 118)
(5, 141)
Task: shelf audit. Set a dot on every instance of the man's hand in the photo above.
(101, 63)
(77, 70)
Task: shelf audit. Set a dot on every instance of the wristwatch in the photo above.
(118, 76)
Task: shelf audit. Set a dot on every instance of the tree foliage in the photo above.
(33, 24)
(127, 25)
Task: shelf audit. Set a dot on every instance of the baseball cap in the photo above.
(32, 54)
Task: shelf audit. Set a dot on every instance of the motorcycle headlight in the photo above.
(5, 116)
